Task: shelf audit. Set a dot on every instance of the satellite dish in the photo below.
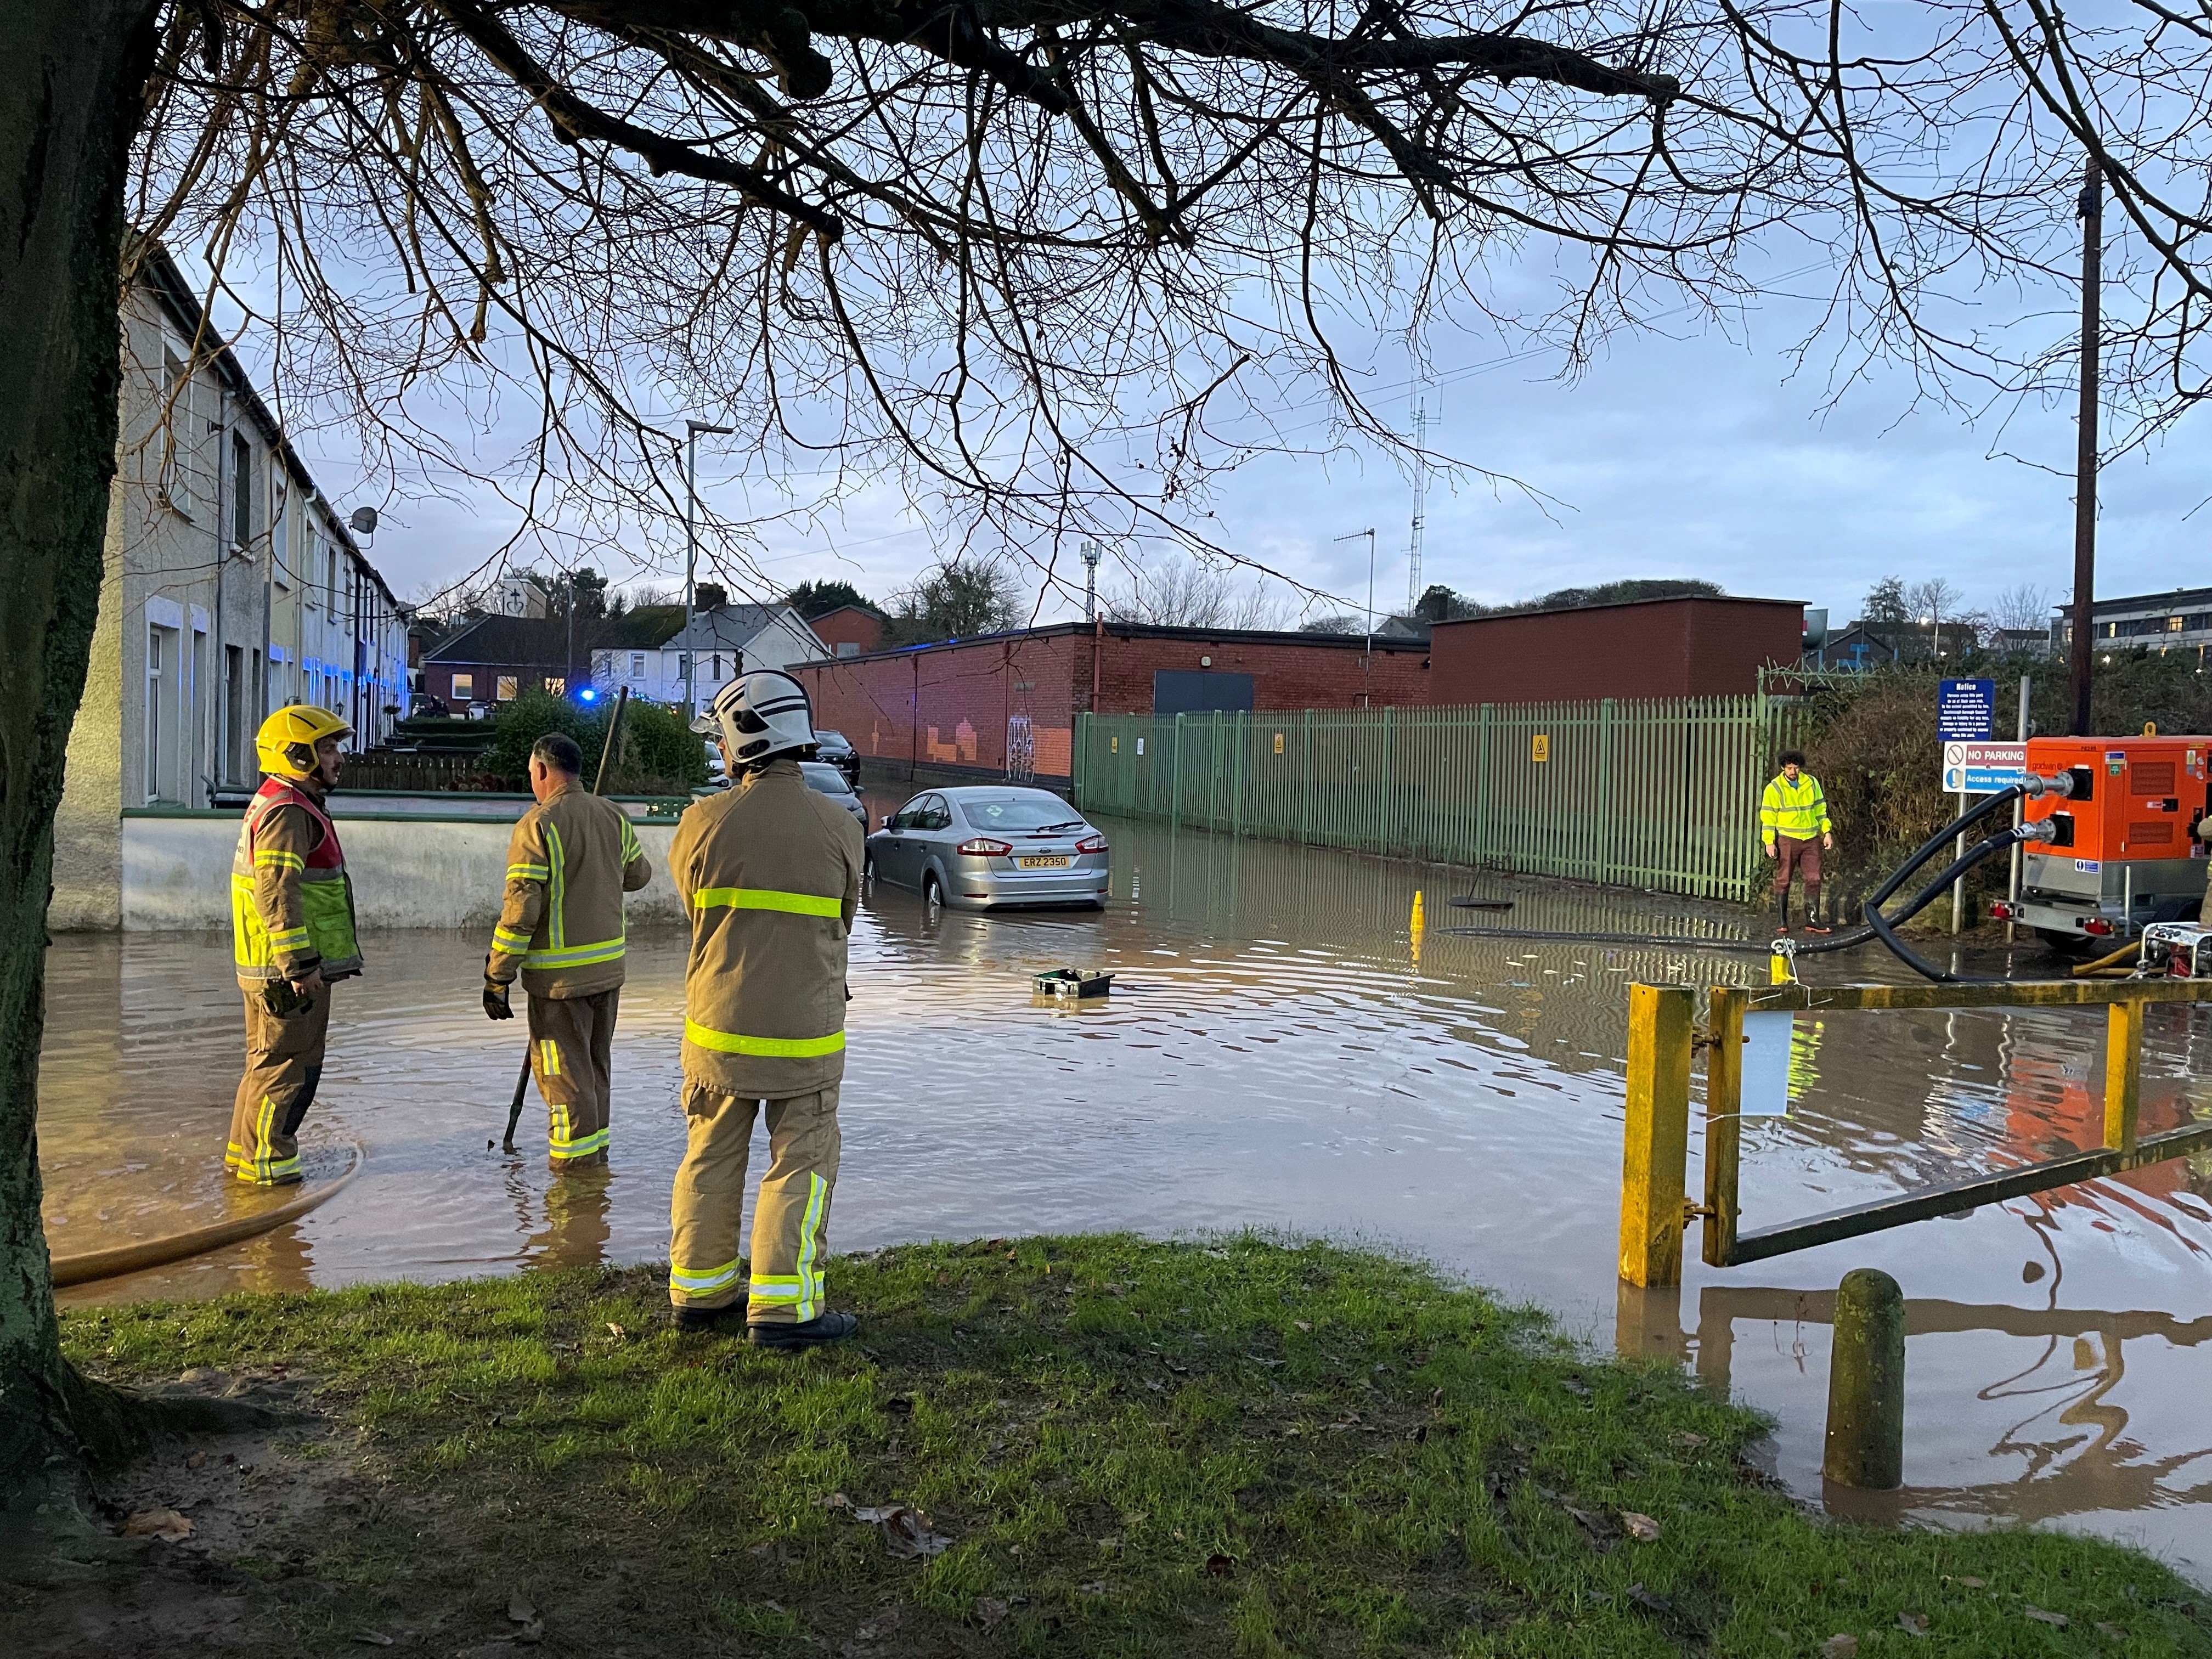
(363, 521)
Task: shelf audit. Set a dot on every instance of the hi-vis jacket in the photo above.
(291, 903)
(1797, 810)
(769, 873)
(571, 859)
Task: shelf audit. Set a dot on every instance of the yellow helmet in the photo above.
(286, 742)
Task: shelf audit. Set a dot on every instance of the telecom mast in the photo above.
(1420, 507)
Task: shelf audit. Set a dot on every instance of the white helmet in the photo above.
(759, 714)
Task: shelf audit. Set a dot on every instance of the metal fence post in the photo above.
(1724, 1010)
(1656, 1149)
(1174, 793)
(1387, 792)
(2124, 1023)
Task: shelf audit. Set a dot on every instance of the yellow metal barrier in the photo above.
(1654, 1164)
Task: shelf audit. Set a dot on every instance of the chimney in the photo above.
(710, 596)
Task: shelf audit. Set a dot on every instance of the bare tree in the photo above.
(1191, 592)
(978, 249)
(2023, 608)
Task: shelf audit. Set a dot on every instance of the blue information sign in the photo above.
(1966, 711)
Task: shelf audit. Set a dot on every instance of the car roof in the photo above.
(966, 792)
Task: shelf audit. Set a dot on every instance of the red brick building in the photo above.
(850, 630)
(981, 704)
(1679, 647)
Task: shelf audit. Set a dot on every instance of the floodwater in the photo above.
(1276, 1053)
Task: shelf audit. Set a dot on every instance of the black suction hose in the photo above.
(1876, 924)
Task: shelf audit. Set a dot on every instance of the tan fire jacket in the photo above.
(769, 873)
(569, 862)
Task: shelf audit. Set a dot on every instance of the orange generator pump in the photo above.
(2126, 845)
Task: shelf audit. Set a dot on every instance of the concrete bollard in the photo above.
(1866, 1384)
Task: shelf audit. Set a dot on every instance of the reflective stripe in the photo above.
(767, 898)
(527, 873)
(557, 925)
(548, 1056)
(575, 956)
(730, 1042)
(507, 940)
(291, 938)
(774, 1288)
(560, 1145)
(278, 859)
(810, 1247)
(701, 1281)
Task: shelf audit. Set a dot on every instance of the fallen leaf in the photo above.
(1096, 1587)
(1686, 1438)
(1303, 1324)
(2056, 1620)
(1912, 1624)
(195, 1459)
(1644, 1598)
(1972, 1584)
(988, 1612)
(1840, 1646)
(1577, 1387)
(616, 1330)
(908, 1536)
(518, 1608)
(836, 1500)
(165, 1524)
(1641, 1528)
(1219, 1566)
(2112, 1630)
(373, 1639)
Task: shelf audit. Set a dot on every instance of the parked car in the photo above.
(822, 776)
(987, 845)
(832, 747)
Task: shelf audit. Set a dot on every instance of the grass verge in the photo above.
(1123, 1447)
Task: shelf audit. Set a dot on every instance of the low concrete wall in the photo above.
(409, 870)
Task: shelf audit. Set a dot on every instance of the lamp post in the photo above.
(1367, 655)
(691, 431)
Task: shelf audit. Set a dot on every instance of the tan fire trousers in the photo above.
(284, 1064)
(572, 1042)
(791, 1219)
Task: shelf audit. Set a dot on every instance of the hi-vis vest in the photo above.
(288, 902)
(1799, 811)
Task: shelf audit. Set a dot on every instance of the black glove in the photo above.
(494, 1000)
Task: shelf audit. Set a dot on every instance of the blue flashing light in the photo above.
(589, 693)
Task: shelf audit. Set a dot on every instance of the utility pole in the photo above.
(2079, 660)
(1420, 508)
(691, 431)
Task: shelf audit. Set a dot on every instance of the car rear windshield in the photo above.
(828, 779)
(1019, 812)
(837, 738)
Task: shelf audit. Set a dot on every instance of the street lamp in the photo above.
(691, 431)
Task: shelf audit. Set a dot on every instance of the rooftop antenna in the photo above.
(1092, 554)
(1420, 508)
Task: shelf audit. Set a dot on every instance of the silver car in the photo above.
(992, 844)
(825, 778)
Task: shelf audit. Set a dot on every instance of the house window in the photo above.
(176, 429)
(506, 686)
(637, 664)
(241, 490)
(717, 667)
(2174, 624)
(464, 688)
(161, 648)
(556, 684)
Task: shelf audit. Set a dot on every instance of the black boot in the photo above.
(823, 1328)
(728, 1321)
(1781, 912)
(1815, 921)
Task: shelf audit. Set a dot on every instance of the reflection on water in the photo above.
(1277, 1051)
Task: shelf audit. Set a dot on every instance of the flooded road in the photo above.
(1275, 1053)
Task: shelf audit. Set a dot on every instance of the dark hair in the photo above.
(560, 752)
(1790, 758)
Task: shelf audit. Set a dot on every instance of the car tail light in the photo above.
(2000, 910)
(2098, 927)
(982, 846)
(1091, 844)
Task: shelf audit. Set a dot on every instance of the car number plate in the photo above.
(1044, 861)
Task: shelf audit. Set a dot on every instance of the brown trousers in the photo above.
(572, 1042)
(284, 1064)
(1800, 855)
(791, 1219)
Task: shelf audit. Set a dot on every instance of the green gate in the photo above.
(1661, 793)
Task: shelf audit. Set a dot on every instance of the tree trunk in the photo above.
(71, 84)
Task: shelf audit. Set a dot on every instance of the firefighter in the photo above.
(571, 859)
(769, 873)
(1791, 813)
(292, 926)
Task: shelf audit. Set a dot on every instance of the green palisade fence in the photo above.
(1662, 794)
